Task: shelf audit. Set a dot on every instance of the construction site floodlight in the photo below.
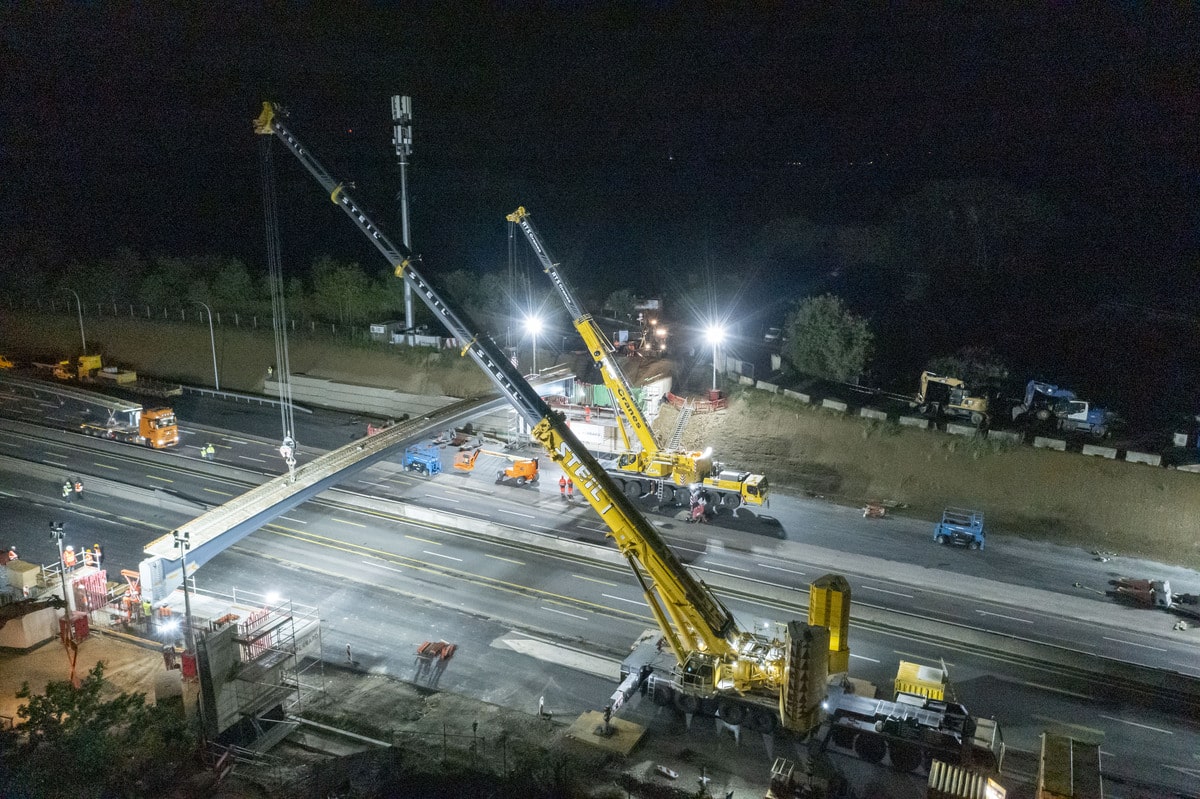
(533, 323)
(714, 334)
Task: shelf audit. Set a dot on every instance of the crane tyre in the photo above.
(870, 748)
(633, 489)
(843, 737)
(762, 720)
(662, 696)
(732, 712)
(905, 756)
(687, 702)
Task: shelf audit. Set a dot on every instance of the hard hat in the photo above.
(70, 548)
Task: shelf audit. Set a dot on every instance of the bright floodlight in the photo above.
(170, 626)
(715, 334)
(533, 324)
(273, 598)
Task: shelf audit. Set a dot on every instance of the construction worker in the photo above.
(87, 558)
(66, 490)
(562, 487)
(78, 488)
(147, 608)
(570, 489)
(210, 452)
(96, 554)
(69, 558)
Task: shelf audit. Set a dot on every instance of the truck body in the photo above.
(1068, 769)
(423, 458)
(960, 526)
(1046, 402)
(912, 731)
(91, 369)
(921, 680)
(940, 395)
(151, 427)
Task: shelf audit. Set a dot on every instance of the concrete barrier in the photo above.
(1100, 452)
(961, 429)
(796, 395)
(835, 405)
(914, 421)
(1143, 457)
(765, 386)
(1011, 436)
(1189, 467)
(871, 413)
(745, 381)
(1050, 443)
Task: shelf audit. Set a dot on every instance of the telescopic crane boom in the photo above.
(654, 461)
(715, 657)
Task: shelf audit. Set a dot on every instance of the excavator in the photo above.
(781, 673)
(654, 470)
(519, 470)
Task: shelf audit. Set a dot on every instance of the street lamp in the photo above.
(715, 335)
(183, 543)
(79, 307)
(56, 532)
(534, 325)
(213, 342)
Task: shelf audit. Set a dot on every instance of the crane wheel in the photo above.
(763, 721)
(905, 756)
(662, 696)
(870, 748)
(687, 702)
(732, 712)
(843, 736)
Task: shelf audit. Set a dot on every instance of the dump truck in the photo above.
(960, 526)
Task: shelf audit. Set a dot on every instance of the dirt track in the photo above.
(1131, 509)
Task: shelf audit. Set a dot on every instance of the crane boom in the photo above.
(714, 656)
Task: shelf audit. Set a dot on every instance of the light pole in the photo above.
(79, 307)
(213, 343)
(56, 532)
(183, 543)
(715, 335)
(534, 325)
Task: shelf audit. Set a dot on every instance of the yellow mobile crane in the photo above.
(777, 677)
(653, 470)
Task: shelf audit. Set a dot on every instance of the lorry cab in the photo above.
(159, 427)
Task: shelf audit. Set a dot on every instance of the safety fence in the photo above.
(698, 405)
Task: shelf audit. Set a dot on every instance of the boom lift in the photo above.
(519, 470)
(660, 470)
(715, 659)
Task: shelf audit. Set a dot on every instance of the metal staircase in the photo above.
(685, 413)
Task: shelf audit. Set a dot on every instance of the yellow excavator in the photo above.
(668, 474)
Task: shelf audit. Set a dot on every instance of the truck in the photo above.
(150, 427)
(91, 369)
(911, 731)
(423, 458)
(921, 680)
(939, 395)
(518, 469)
(1046, 402)
(960, 526)
(646, 468)
(773, 677)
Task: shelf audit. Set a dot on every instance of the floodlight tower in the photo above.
(402, 139)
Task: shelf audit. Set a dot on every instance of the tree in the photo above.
(73, 743)
(826, 340)
(233, 289)
(339, 290)
(975, 366)
(620, 304)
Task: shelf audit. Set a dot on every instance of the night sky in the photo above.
(649, 140)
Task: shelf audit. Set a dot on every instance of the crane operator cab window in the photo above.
(627, 461)
(697, 672)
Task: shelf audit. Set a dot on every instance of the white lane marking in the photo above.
(1191, 772)
(235, 440)
(864, 657)
(594, 580)
(1132, 643)
(248, 458)
(55, 418)
(1002, 616)
(1052, 689)
(162, 479)
(9, 443)
(1135, 724)
(623, 599)
(346, 521)
(436, 496)
(885, 591)
(778, 568)
(440, 555)
(221, 493)
(506, 560)
(727, 566)
(106, 466)
(55, 463)
(563, 612)
(5, 493)
(542, 527)
(516, 513)
(297, 521)
(593, 529)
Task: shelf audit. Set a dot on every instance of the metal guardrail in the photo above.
(67, 392)
(238, 397)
